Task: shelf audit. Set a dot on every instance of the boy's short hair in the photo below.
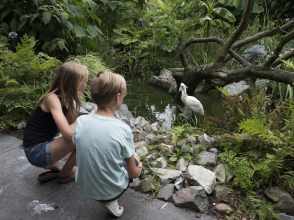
(105, 85)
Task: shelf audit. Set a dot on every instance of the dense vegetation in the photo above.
(139, 38)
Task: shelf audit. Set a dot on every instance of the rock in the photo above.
(160, 138)
(90, 106)
(20, 124)
(148, 129)
(141, 136)
(166, 74)
(187, 148)
(141, 149)
(150, 157)
(164, 129)
(253, 52)
(223, 172)
(124, 114)
(165, 175)
(136, 182)
(283, 199)
(179, 183)
(221, 207)
(83, 111)
(147, 185)
(155, 127)
(181, 142)
(213, 150)
(193, 197)
(138, 144)
(150, 139)
(136, 130)
(146, 172)
(182, 164)
(204, 140)
(166, 193)
(284, 217)
(198, 215)
(141, 121)
(236, 88)
(212, 141)
(167, 148)
(94, 110)
(192, 140)
(186, 184)
(200, 176)
(207, 158)
(220, 191)
(162, 162)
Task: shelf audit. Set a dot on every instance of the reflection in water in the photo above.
(155, 104)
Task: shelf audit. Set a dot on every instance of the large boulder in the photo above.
(124, 114)
(254, 52)
(283, 199)
(165, 176)
(193, 197)
(200, 176)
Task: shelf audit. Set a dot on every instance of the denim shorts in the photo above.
(40, 155)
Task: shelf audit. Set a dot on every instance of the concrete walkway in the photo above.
(23, 197)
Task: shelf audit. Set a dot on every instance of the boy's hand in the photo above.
(140, 165)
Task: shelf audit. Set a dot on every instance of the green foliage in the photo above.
(24, 77)
(279, 10)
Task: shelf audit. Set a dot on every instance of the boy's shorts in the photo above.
(40, 155)
(125, 166)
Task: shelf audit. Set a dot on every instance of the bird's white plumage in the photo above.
(191, 102)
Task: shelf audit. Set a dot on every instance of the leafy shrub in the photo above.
(25, 76)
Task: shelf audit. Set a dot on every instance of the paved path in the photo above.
(23, 197)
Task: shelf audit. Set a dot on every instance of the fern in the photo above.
(254, 127)
(289, 177)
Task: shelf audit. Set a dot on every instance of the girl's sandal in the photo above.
(66, 180)
(49, 175)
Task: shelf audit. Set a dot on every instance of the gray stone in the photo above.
(150, 139)
(213, 150)
(136, 182)
(141, 121)
(166, 74)
(192, 140)
(162, 162)
(193, 197)
(253, 52)
(141, 136)
(147, 185)
(150, 157)
(221, 207)
(220, 191)
(283, 199)
(179, 183)
(207, 158)
(155, 126)
(164, 128)
(182, 164)
(186, 184)
(187, 148)
(83, 111)
(141, 150)
(90, 106)
(204, 139)
(236, 88)
(138, 144)
(166, 176)
(200, 176)
(212, 141)
(20, 124)
(148, 129)
(135, 130)
(167, 148)
(181, 142)
(166, 193)
(223, 172)
(124, 115)
(284, 217)
(160, 138)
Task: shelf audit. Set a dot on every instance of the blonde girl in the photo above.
(56, 111)
(106, 155)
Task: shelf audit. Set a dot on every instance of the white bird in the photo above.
(191, 102)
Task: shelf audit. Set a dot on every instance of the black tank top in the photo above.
(40, 127)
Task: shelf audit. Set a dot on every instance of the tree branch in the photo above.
(235, 36)
(279, 48)
(285, 57)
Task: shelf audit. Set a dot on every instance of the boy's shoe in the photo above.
(112, 208)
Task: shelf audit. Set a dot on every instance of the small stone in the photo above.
(187, 148)
(223, 172)
(182, 164)
(141, 135)
(220, 191)
(94, 110)
(181, 142)
(212, 141)
(221, 207)
(198, 215)
(150, 139)
(90, 106)
(141, 150)
(147, 185)
(192, 140)
(186, 184)
(207, 158)
(213, 150)
(166, 175)
(284, 217)
(204, 139)
(83, 111)
(164, 129)
(20, 124)
(167, 149)
(155, 127)
(136, 182)
(162, 162)
(151, 157)
(166, 193)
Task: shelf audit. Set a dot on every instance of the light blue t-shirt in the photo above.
(101, 144)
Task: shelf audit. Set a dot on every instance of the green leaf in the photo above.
(34, 17)
(22, 23)
(51, 25)
(45, 45)
(46, 16)
(53, 2)
(224, 13)
(93, 16)
(257, 9)
(241, 5)
(205, 20)
(6, 12)
(79, 31)
(5, 27)
(60, 44)
(196, 5)
(193, 27)
(220, 23)
(173, 158)
(92, 31)
(76, 10)
(273, 4)
(64, 17)
(124, 24)
(18, 11)
(53, 46)
(14, 25)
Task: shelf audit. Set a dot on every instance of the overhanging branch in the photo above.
(285, 57)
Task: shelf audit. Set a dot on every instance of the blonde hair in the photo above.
(66, 84)
(105, 85)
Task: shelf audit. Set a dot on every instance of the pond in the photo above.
(155, 104)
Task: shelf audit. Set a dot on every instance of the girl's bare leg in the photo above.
(54, 167)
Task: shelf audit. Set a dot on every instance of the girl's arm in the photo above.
(54, 105)
(70, 117)
(133, 171)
